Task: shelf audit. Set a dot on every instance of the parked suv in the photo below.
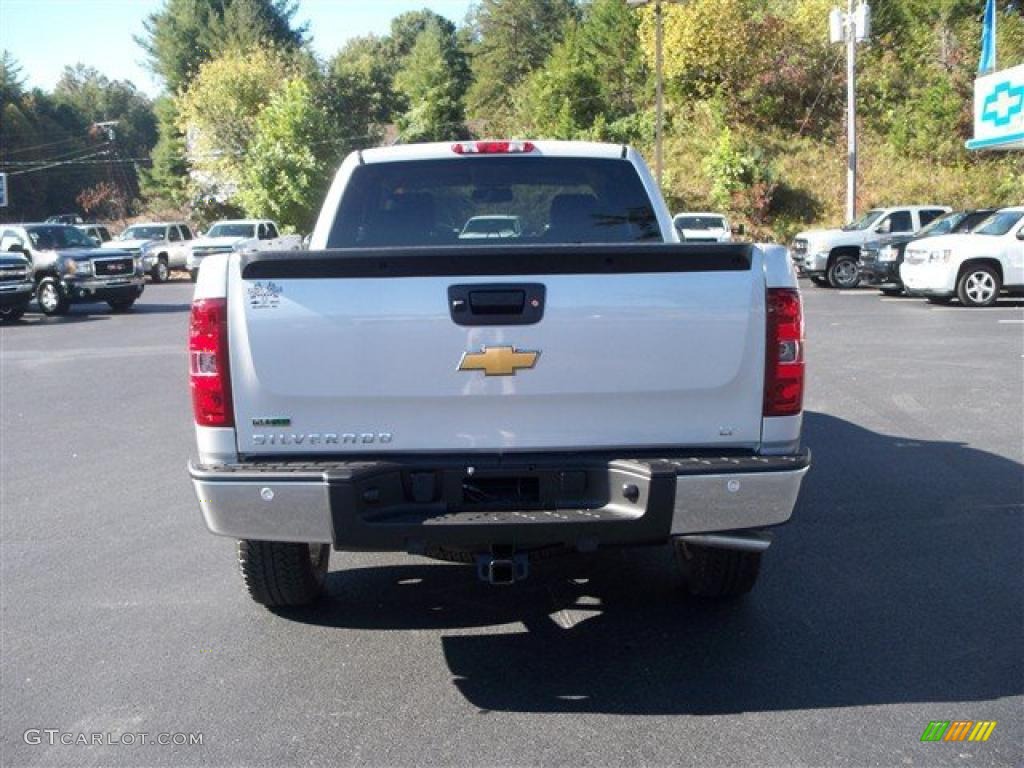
(829, 256)
(16, 286)
(975, 267)
(162, 246)
(69, 268)
(880, 259)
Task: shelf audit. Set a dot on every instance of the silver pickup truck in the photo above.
(584, 382)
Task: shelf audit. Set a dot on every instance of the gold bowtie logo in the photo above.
(498, 361)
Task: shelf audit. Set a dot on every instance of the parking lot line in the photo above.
(1007, 322)
(971, 309)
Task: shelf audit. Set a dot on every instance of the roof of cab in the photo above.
(443, 150)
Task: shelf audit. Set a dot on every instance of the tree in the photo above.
(97, 98)
(219, 110)
(184, 34)
(166, 178)
(508, 40)
(289, 159)
(432, 82)
(359, 82)
(593, 85)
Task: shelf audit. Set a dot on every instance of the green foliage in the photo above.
(592, 85)
(741, 176)
(219, 110)
(286, 168)
(509, 39)
(432, 83)
(97, 99)
(359, 81)
(184, 34)
(166, 178)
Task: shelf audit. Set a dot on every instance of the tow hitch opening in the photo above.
(502, 566)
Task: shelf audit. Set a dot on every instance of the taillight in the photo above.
(784, 354)
(208, 363)
(492, 147)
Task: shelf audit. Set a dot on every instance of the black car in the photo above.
(880, 260)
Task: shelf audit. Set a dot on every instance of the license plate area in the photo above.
(500, 492)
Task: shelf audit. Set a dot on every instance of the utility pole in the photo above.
(851, 113)
(659, 97)
(659, 87)
(851, 27)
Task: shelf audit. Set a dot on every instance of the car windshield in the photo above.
(699, 222)
(232, 230)
(942, 225)
(143, 233)
(864, 221)
(55, 236)
(999, 223)
(554, 199)
(972, 221)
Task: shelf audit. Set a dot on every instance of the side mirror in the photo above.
(1020, 233)
(740, 229)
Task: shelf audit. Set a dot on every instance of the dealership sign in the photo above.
(999, 110)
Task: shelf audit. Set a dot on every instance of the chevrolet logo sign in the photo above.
(498, 361)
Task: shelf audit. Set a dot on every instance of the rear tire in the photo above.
(717, 573)
(978, 286)
(281, 574)
(842, 273)
(51, 298)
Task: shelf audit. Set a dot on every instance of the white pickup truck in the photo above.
(591, 383)
(238, 235)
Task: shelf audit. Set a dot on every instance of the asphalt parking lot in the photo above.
(895, 597)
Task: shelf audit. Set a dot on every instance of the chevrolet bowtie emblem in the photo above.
(498, 361)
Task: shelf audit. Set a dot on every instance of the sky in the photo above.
(46, 35)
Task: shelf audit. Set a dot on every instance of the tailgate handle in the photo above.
(496, 303)
(491, 302)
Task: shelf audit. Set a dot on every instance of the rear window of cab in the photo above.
(551, 199)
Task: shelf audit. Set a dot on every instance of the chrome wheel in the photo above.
(980, 287)
(161, 272)
(49, 297)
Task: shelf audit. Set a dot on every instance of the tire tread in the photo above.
(279, 574)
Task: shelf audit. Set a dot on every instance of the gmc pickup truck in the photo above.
(591, 383)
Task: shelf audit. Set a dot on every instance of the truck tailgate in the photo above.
(360, 351)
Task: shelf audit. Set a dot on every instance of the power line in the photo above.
(48, 160)
(41, 146)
